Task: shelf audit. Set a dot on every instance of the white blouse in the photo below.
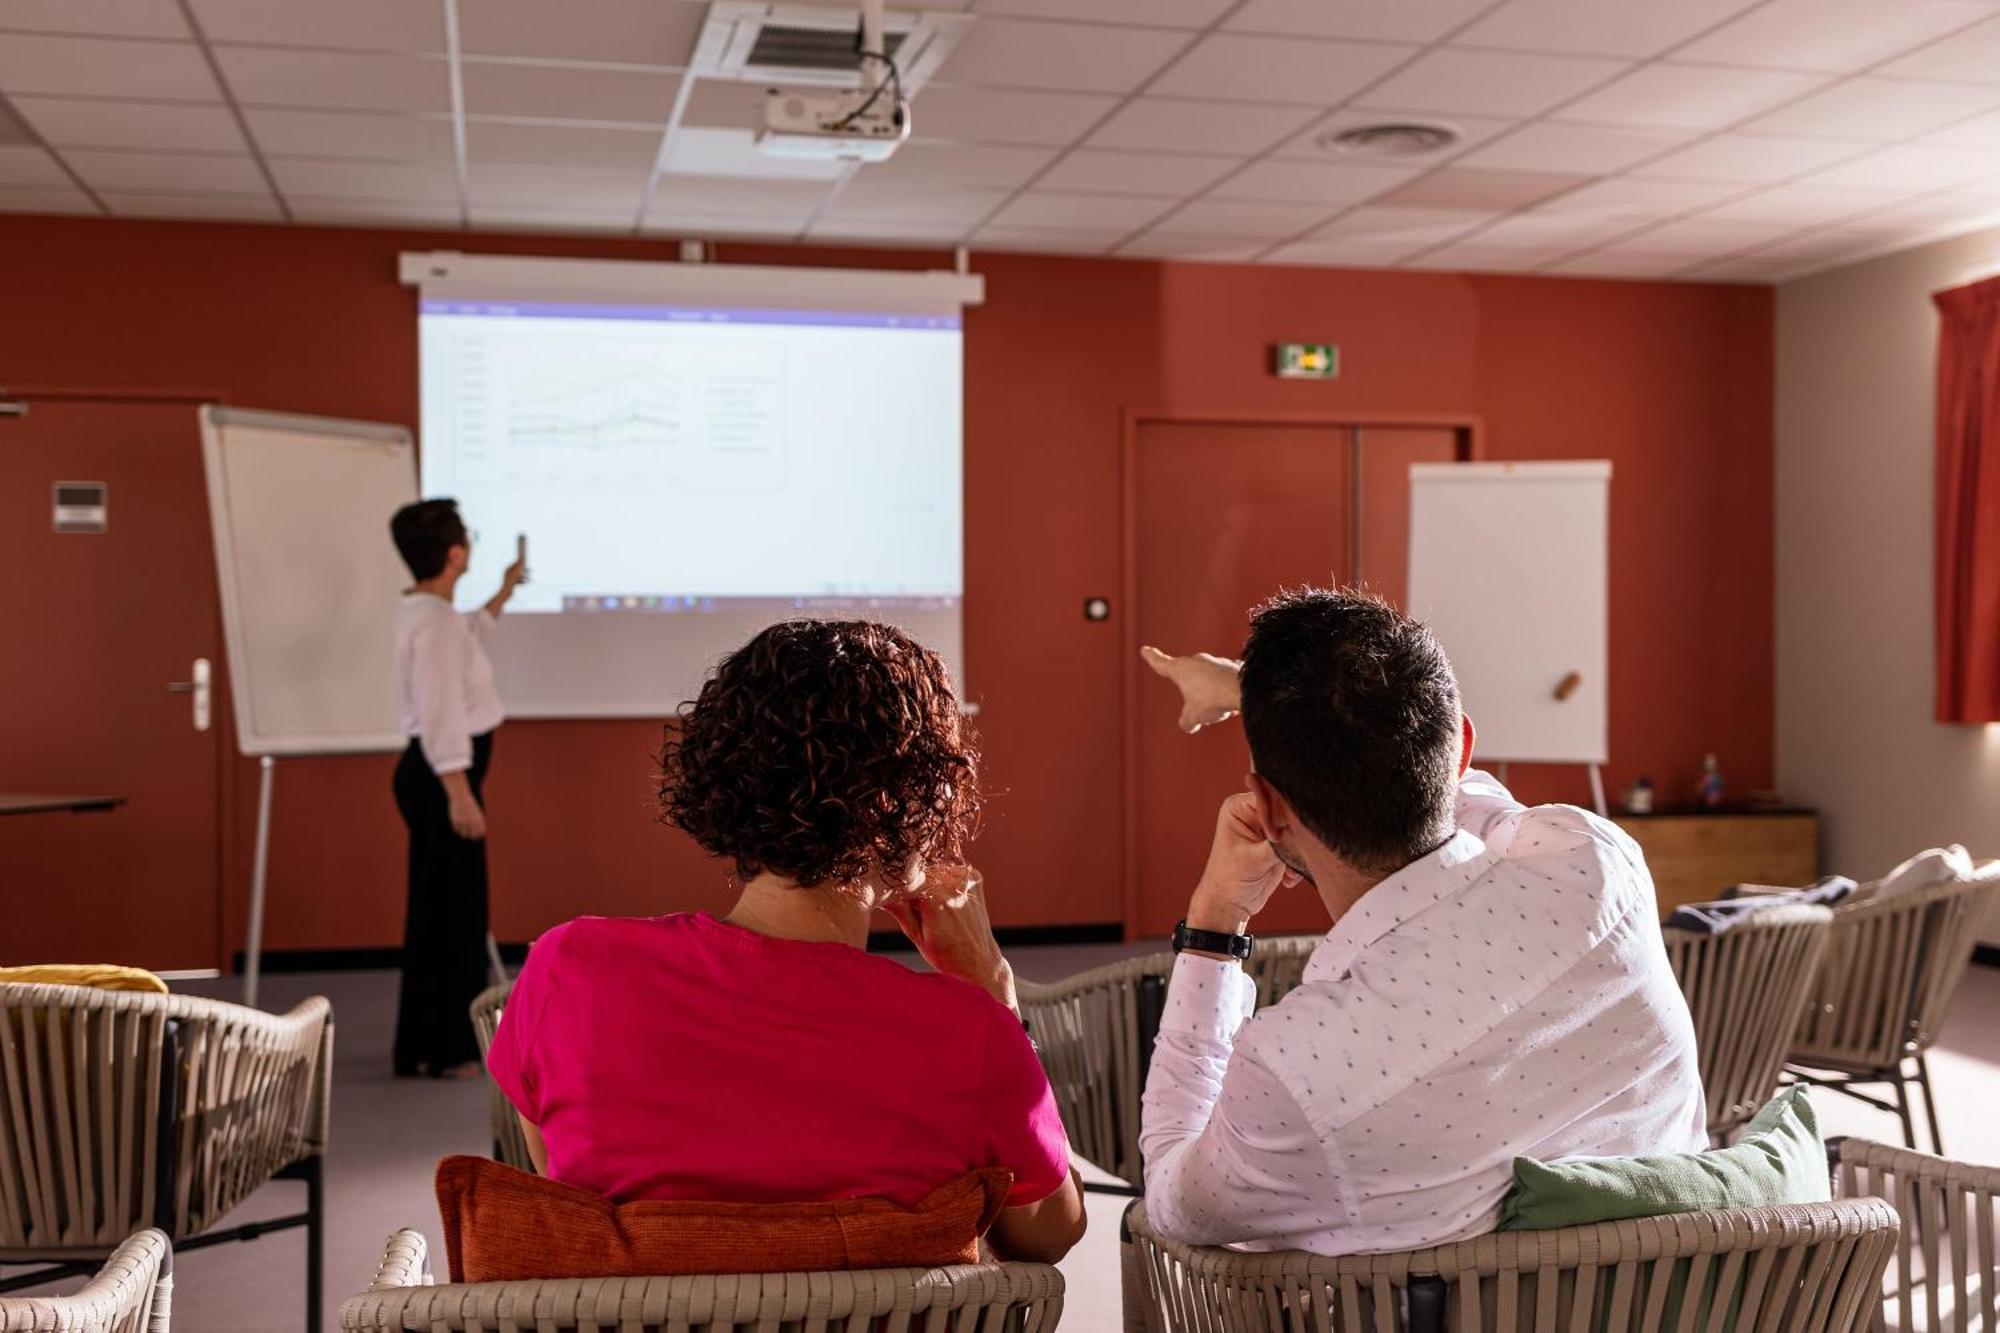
(445, 689)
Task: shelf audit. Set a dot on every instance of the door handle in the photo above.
(198, 687)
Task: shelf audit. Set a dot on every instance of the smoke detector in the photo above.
(1389, 139)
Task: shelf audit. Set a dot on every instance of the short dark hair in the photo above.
(424, 533)
(1352, 714)
(820, 750)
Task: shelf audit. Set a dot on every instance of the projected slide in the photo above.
(666, 460)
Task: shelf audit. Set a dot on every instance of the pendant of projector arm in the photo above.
(893, 83)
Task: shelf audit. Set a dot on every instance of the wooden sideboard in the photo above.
(1696, 854)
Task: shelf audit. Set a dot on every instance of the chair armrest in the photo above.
(319, 1110)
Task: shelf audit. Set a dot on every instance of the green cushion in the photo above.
(1779, 1159)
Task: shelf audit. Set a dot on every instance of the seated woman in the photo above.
(766, 1056)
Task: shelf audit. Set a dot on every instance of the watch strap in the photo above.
(1213, 941)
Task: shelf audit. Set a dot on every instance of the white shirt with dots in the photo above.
(1507, 995)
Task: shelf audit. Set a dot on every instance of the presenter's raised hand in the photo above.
(1208, 684)
(948, 923)
(1242, 872)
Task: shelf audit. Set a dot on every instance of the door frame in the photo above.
(226, 818)
(1470, 430)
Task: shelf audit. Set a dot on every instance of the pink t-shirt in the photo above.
(681, 1057)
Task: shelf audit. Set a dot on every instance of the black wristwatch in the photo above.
(1213, 941)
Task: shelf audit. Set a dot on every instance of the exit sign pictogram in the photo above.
(1306, 361)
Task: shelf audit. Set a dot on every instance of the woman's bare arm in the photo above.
(1043, 1232)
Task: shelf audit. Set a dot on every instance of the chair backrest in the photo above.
(1095, 1032)
(1746, 988)
(1278, 964)
(1805, 1268)
(510, 1144)
(132, 1293)
(1946, 1278)
(126, 1109)
(1891, 967)
(1018, 1298)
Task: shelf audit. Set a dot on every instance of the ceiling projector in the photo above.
(862, 125)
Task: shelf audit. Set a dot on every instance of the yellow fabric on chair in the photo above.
(102, 976)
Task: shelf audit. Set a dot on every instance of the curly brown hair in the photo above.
(821, 750)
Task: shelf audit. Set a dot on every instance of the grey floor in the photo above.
(389, 1133)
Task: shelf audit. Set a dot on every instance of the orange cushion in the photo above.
(503, 1225)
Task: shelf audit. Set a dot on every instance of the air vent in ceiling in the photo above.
(13, 129)
(1392, 139)
(783, 46)
(814, 45)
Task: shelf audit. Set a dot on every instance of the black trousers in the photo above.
(444, 931)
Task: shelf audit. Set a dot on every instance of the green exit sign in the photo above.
(1306, 361)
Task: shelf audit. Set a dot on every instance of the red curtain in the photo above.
(1968, 503)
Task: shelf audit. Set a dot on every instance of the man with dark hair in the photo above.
(1494, 984)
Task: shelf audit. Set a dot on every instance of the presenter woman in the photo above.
(449, 709)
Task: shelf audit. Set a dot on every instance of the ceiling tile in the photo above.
(344, 212)
(1803, 205)
(102, 18)
(1073, 57)
(1837, 36)
(1313, 182)
(791, 202)
(990, 115)
(1210, 249)
(712, 152)
(962, 164)
(71, 123)
(1167, 13)
(561, 145)
(1911, 168)
(724, 104)
(1408, 228)
(173, 172)
(762, 226)
(1472, 257)
(1951, 209)
(570, 92)
(1555, 231)
(1049, 208)
(213, 207)
(1701, 238)
(1625, 197)
(1170, 125)
(546, 216)
(1880, 109)
(1594, 27)
(65, 199)
(864, 201)
(363, 25)
(1464, 187)
(1971, 56)
(1372, 20)
(1097, 170)
(24, 164)
(351, 134)
(1045, 240)
(1573, 148)
(1978, 132)
(1471, 130)
(91, 67)
(1278, 69)
(1748, 158)
(539, 186)
(1699, 97)
(1502, 83)
(1243, 219)
(1618, 264)
(887, 233)
(423, 182)
(1344, 252)
(263, 77)
(1740, 270)
(632, 32)
(1823, 248)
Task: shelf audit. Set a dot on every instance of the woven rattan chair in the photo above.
(1946, 1278)
(1278, 964)
(1807, 1268)
(122, 1109)
(510, 1144)
(990, 1298)
(1891, 967)
(132, 1293)
(1746, 988)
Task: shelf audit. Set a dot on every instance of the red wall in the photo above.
(1673, 383)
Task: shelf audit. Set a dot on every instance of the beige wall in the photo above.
(1857, 352)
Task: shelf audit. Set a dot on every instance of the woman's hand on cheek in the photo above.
(949, 925)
